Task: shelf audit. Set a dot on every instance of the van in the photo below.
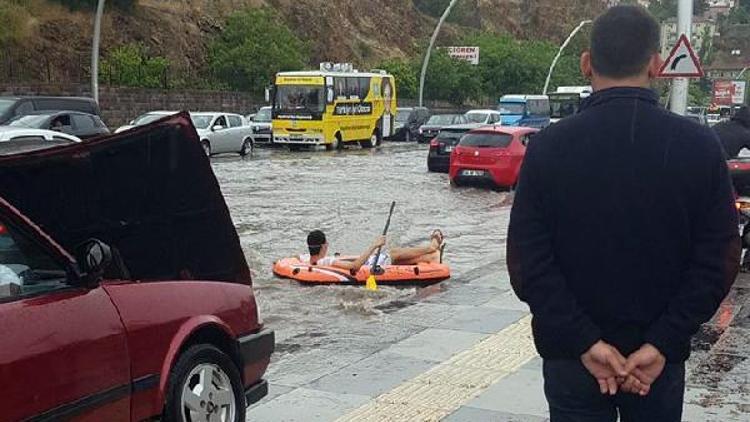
(11, 107)
(525, 110)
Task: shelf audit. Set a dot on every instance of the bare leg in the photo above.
(428, 258)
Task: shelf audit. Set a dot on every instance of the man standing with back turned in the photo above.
(623, 237)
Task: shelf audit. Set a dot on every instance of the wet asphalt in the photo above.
(276, 197)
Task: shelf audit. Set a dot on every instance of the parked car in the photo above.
(16, 140)
(223, 133)
(262, 127)
(19, 106)
(145, 119)
(78, 124)
(486, 117)
(128, 296)
(430, 129)
(408, 122)
(490, 155)
(441, 147)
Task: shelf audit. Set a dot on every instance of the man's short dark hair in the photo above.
(315, 241)
(623, 40)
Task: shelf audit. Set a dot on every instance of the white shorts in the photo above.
(383, 260)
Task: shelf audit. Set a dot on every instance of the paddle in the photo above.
(376, 269)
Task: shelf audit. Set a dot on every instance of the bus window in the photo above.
(364, 87)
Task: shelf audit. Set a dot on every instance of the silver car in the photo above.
(262, 128)
(223, 133)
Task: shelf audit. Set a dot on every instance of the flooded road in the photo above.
(277, 197)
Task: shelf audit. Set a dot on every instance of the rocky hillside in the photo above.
(55, 41)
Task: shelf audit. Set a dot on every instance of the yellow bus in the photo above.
(333, 106)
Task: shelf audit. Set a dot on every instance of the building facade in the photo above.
(703, 32)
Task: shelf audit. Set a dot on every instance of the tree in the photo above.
(451, 80)
(406, 74)
(253, 47)
(666, 9)
(13, 22)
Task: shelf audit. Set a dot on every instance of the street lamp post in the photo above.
(559, 53)
(742, 72)
(95, 51)
(680, 85)
(429, 49)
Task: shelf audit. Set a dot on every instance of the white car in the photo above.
(262, 128)
(14, 140)
(486, 117)
(223, 132)
(145, 119)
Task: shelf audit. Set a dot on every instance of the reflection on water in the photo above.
(277, 197)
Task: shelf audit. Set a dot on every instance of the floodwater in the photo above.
(276, 197)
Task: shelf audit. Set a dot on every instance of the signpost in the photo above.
(728, 93)
(680, 85)
(681, 62)
(469, 54)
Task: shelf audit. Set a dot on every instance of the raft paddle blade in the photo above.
(371, 284)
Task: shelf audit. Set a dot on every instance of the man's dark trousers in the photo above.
(574, 396)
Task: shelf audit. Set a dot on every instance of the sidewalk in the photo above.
(466, 355)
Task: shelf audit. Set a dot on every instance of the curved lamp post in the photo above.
(429, 49)
(559, 53)
(95, 52)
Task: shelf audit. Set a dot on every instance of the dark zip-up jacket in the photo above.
(623, 228)
(735, 134)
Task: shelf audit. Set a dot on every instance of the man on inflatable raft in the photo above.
(421, 265)
(318, 247)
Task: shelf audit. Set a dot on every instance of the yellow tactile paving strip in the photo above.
(435, 394)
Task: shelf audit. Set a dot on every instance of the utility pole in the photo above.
(429, 49)
(95, 51)
(680, 85)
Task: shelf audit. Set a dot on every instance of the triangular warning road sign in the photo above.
(682, 61)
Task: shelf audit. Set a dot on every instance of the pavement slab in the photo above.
(372, 376)
(481, 319)
(305, 405)
(472, 414)
(435, 344)
(519, 393)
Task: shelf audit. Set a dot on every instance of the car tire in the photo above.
(193, 367)
(247, 147)
(206, 147)
(372, 142)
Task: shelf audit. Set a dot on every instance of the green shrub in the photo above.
(253, 47)
(13, 21)
(130, 65)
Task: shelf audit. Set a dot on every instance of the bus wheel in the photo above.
(373, 141)
(336, 144)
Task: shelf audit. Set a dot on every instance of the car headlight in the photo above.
(420, 130)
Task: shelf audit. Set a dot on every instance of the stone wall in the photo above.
(119, 105)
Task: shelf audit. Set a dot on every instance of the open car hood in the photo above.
(149, 192)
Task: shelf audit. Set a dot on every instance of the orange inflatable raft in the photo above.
(419, 274)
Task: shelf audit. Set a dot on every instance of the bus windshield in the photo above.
(300, 98)
(563, 106)
(512, 108)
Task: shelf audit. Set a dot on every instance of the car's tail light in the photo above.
(434, 143)
(3, 230)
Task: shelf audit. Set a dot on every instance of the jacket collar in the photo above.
(606, 95)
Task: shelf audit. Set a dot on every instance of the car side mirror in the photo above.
(94, 257)
(217, 128)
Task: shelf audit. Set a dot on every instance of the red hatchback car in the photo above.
(490, 155)
(124, 293)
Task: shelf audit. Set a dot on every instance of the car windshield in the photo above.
(486, 140)
(201, 121)
(31, 121)
(441, 119)
(263, 116)
(476, 117)
(5, 105)
(145, 119)
(512, 108)
(451, 135)
(402, 116)
(300, 98)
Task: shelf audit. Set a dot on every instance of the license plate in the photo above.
(448, 148)
(473, 173)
